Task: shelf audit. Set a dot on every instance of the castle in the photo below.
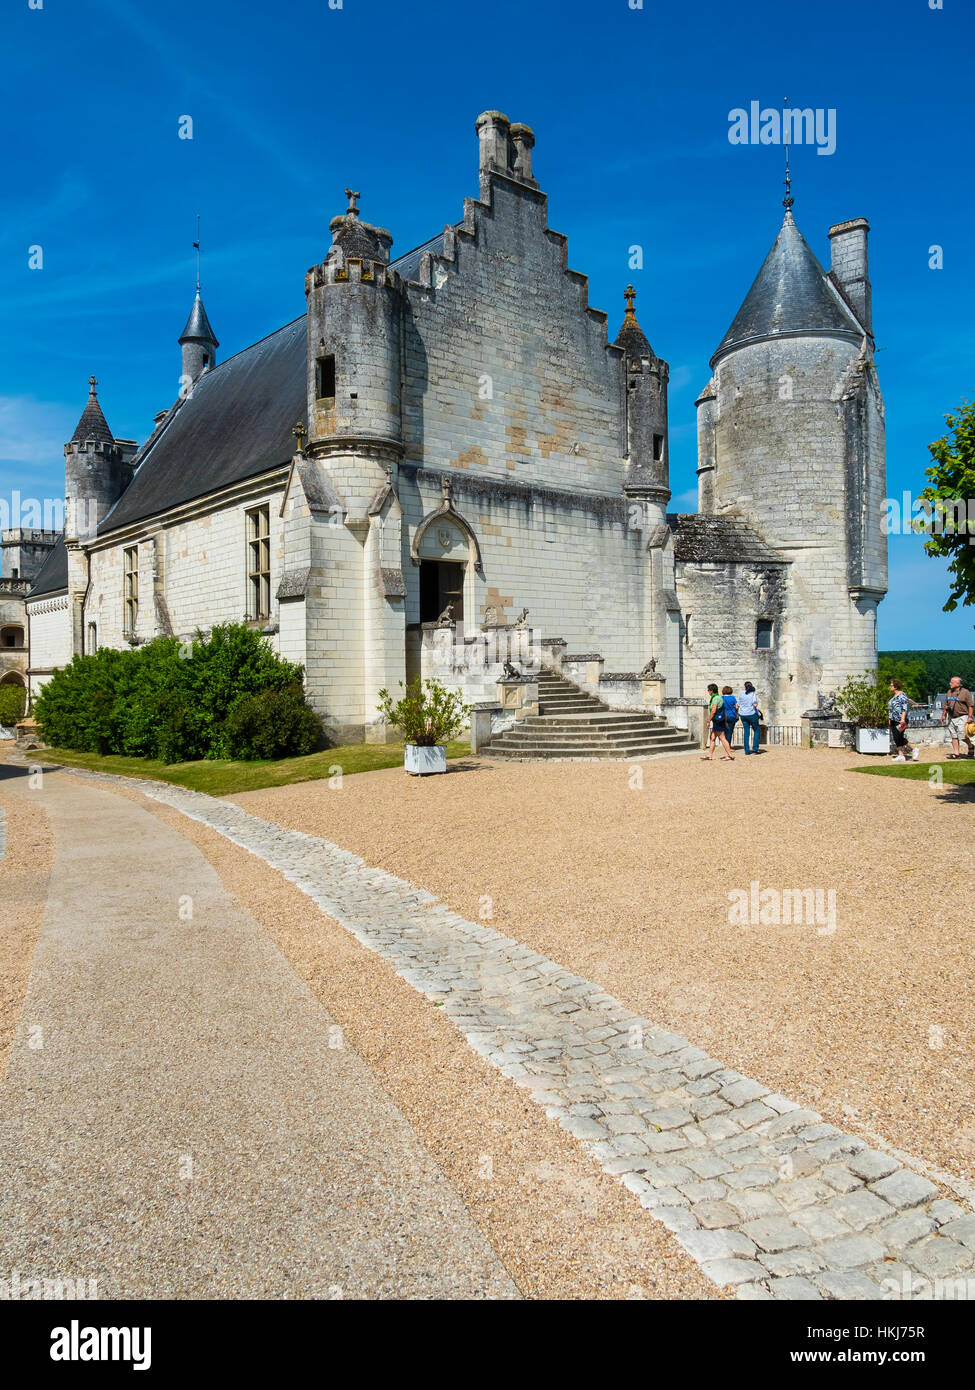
(449, 439)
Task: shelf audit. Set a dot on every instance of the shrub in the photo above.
(426, 716)
(863, 700)
(272, 724)
(166, 699)
(13, 702)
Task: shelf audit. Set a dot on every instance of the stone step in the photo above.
(592, 750)
(572, 723)
(538, 733)
(602, 720)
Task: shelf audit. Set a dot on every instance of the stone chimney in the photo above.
(523, 140)
(494, 142)
(848, 266)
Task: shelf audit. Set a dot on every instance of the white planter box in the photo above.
(420, 761)
(873, 740)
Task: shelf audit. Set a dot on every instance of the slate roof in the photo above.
(92, 424)
(198, 325)
(720, 539)
(632, 339)
(409, 265)
(791, 295)
(52, 577)
(236, 425)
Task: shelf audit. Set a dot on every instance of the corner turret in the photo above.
(353, 387)
(647, 449)
(96, 471)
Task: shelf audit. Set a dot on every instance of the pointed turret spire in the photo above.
(198, 340)
(790, 297)
(92, 424)
(631, 337)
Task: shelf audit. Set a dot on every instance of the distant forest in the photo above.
(927, 674)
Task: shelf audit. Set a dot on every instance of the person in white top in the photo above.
(749, 714)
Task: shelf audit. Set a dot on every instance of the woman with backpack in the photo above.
(717, 718)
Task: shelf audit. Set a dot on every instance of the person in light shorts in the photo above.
(956, 714)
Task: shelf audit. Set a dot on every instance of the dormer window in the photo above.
(325, 371)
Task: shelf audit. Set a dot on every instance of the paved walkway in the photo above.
(765, 1195)
(182, 1118)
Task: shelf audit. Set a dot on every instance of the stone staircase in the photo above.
(573, 724)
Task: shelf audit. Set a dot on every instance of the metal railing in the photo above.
(770, 735)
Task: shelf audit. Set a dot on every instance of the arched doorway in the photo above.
(444, 556)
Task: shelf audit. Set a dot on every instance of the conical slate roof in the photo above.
(631, 337)
(198, 325)
(92, 424)
(791, 297)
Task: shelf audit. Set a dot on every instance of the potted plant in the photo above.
(429, 715)
(863, 701)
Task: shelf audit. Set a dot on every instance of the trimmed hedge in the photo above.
(179, 702)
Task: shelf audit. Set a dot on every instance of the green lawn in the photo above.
(960, 773)
(225, 778)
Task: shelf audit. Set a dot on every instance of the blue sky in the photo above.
(630, 111)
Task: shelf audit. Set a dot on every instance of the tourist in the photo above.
(956, 714)
(717, 723)
(897, 707)
(750, 715)
(730, 711)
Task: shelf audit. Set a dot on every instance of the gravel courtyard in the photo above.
(872, 1024)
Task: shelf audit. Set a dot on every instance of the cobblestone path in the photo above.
(763, 1194)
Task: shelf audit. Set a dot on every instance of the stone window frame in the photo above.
(258, 561)
(770, 645)
(130, 590)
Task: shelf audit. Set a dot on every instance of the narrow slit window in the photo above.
(763, 634)
(130, 589)
(326, 377)
(658, 447)
(259, 562)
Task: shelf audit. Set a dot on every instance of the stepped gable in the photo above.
(703, 539)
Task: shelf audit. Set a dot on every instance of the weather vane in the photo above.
(196, 247)
(788, 200)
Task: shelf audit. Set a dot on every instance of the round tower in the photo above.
(95, 472)
(791, 440)
(354, 371)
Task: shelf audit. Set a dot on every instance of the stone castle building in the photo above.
(446, 440)
(22, 554)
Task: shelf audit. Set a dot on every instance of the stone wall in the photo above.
(508, 371)
(50, 639)
(721, 605)
(192, 573)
